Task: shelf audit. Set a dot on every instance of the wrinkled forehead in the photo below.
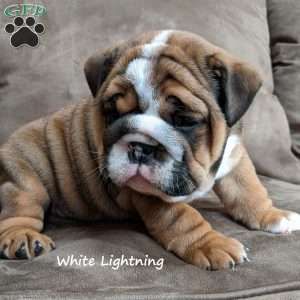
(146, 66)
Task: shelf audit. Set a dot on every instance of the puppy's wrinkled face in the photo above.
(165, 102)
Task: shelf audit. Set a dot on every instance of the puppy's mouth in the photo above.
(141, 179)
(144, 186)
(140, 184)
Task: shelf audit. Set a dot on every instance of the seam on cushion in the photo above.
(253, 292)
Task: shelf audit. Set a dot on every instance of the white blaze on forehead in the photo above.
(227, 162)
(139, 72)
(160, 40)
(162, 37)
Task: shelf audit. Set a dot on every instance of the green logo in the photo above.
(23, 10)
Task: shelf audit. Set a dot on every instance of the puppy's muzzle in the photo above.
(158, 133)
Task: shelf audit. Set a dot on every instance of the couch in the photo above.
(38, 81)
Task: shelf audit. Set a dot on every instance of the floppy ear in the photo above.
(237, 85)
(98, 66)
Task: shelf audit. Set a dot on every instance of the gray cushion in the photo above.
(284, 19)
(39, 81)
(274, 266)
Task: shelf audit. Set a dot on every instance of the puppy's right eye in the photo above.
(110, 108)
(176, 102)
(114, 98)
(181, 121)
(114, 108)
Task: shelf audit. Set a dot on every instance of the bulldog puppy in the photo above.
(161, 129)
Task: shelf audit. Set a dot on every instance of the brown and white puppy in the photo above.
(162, 129)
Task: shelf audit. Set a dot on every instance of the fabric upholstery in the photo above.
(36, 82)
(284, 20)
(274, 266)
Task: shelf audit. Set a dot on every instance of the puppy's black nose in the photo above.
(140, 153)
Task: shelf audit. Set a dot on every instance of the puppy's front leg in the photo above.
(247, 201)
(23, 200)
(182, 230)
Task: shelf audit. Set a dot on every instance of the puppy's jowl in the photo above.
(162, 128)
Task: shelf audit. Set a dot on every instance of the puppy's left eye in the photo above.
(185, 121)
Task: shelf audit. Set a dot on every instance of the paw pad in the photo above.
(24, 32)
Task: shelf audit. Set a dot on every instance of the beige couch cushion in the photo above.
(284, 20)
(42, 80)
(274, 266)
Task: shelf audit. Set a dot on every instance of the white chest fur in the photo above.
(228, 161)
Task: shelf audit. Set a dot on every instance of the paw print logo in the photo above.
(24, 33)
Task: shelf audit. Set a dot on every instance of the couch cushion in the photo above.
(41, 80)
(274, 266)
(284, 20)
(46, 78)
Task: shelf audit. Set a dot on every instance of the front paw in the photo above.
(24, 243)
(280, 221)
(216, 251)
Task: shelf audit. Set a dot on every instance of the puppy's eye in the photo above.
(110, 108)
(183, 118)
(113, 112)
(176, 102)
(114, 98)
(184, 121)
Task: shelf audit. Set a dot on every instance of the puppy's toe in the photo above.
(294, 221)
(217, 253)
(281, 221)
(24, 243)
(3, 251)
(22, 251)
(42, 244)
(38, 248)
(220, 259)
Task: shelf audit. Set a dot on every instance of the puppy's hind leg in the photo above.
(23, 200)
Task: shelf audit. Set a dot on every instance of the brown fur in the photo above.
(56, 160)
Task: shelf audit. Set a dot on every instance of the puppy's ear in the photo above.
(98, 66)
(237, 85)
